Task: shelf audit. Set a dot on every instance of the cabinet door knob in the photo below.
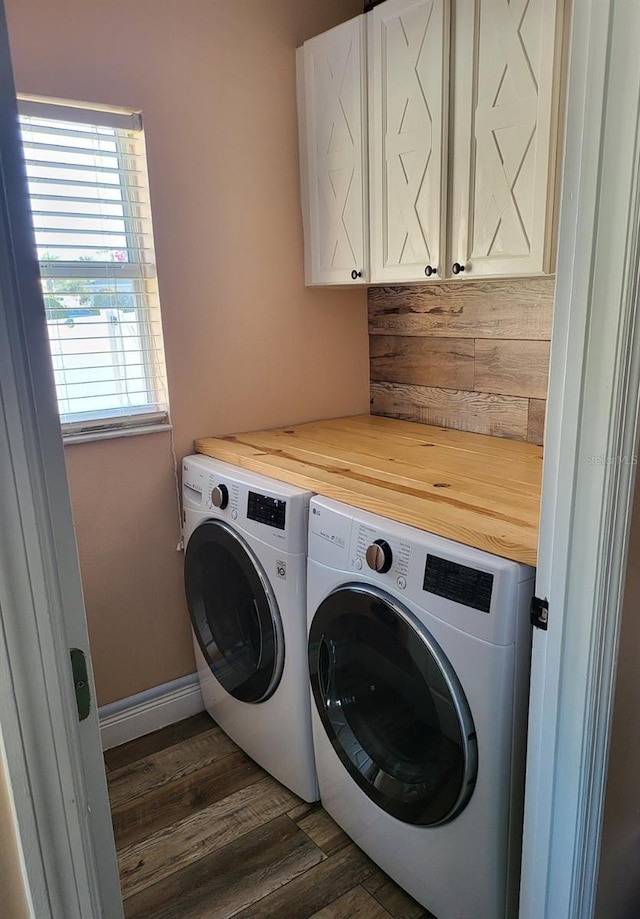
(356, 274)
(429, 271)
(457, 268)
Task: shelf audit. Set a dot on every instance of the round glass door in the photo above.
(392, 706)
(234, 613)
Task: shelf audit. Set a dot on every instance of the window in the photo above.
(89, 195)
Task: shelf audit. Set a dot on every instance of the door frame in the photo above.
(589, 466)
(53, 763)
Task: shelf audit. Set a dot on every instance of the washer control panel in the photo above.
(267, 510)
(220, 496)
(223, 496)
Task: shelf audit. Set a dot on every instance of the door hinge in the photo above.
(81, 683)
(539, 613)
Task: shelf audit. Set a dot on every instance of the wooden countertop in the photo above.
(481, 491)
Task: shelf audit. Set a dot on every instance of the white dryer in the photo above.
(419, 660)
(245, 539)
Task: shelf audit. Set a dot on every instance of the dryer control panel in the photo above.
(457, 582)
(469, 589)
(338, 540)
(395, 552)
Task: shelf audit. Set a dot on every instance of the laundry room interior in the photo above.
(257, 339)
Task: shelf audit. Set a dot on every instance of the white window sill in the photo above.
(89, 436)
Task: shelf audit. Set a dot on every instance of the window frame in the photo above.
(116, 422)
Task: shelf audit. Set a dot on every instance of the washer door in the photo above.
(392, 706)
(234, 613)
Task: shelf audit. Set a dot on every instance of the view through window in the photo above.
(89, 195)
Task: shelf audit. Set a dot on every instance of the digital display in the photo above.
(270, 511)
(459, 583)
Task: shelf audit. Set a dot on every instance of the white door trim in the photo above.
(54, 764)
(587, 487)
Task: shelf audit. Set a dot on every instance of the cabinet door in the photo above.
(332, 104)
(409, 62)
(504, 138)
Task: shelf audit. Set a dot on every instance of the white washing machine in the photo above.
(245, 539)
(419, 662)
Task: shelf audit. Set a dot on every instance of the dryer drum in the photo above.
(233, 611)
(392, 706)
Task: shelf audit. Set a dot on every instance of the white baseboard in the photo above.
(149, 711)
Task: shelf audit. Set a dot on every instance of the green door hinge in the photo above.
(81, 683)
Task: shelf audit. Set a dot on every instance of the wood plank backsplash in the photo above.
(471, 355)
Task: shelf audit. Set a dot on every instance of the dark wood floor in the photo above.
(202, 832)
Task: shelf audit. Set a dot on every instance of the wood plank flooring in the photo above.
(202, 832)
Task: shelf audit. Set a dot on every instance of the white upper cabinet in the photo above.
(503, 137)
(408, 85)
(333, 131)
(454, 103)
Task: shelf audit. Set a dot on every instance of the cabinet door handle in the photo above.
(356, 274)
(457, 268)
(429, 271)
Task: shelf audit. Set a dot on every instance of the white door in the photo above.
(334, 125)
(504, 136)
(591, 449)
(53, 761)
(408, 66)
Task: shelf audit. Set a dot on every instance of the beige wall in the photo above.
(14, 904)
(619, 877)
(247, 345)
(127, 524)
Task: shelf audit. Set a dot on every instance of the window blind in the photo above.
(87, 179)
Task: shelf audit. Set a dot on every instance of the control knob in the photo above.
(379, 556)
(220, 496)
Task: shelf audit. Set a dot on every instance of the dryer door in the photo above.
(234, 613)
(392, 706)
